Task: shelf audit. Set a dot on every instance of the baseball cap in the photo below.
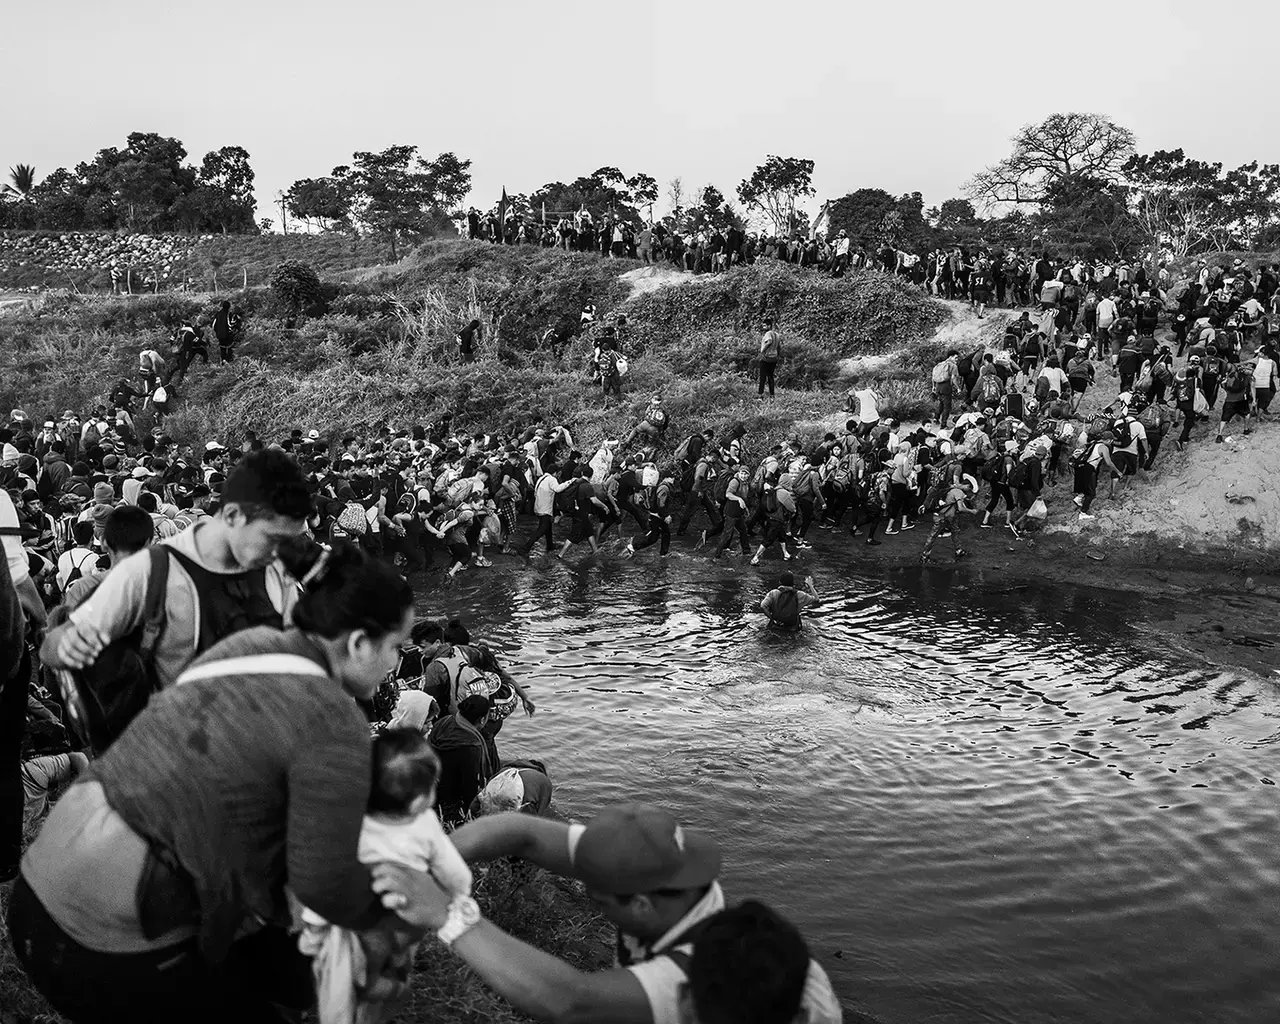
(313, 435)
(213, 446)
(639, 848)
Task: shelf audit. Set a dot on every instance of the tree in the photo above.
(1062, 146)
(447, 181)
(872, 217)
(323, 200)
(57, 202)
(1174, 200)
(644, 191)
(137, 187)
(265, 225)
(1086, 217)
(1250, 206)
(956, 215)
(775, 187)
(603, 192)
(390, 195)
(22, 180)
(226, 178)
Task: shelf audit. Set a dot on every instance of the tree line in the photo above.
(1073, 184)
(145, 187)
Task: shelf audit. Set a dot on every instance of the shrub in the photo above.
(297, 288)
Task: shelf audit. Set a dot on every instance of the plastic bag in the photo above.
(623, 367)
(1038, 510)
(1200, 403)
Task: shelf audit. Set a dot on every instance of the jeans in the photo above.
(733, 525)
(767, 370)
(543, 530)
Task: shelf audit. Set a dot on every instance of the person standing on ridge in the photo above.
(225, 325)
(770, 355)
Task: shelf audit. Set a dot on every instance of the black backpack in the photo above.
(102, 699)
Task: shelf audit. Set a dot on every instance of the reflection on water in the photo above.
(996, 803)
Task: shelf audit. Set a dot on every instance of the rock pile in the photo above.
(163, 255)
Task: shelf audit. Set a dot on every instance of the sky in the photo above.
(904, 97)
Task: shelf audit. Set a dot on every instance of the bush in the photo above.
(297, 288)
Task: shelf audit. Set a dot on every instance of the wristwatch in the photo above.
(464, 914)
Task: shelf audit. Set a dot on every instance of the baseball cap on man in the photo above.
(639, 848)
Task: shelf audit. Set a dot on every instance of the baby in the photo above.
(401, 826)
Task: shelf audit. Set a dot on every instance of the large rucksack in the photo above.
(103, 698)
(990, 390)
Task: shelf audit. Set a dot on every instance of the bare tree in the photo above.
(1062, 147)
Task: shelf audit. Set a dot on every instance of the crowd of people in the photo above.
(212, 661)
(215, 648)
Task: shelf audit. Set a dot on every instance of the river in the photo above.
(980, 803)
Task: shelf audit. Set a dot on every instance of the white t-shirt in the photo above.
(15, 553)
(1137, 432)
(1107, 312)
(84, 559)
(868, 410)
(1057, 379)
(1263, 372)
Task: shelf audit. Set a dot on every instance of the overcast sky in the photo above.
(901, 96)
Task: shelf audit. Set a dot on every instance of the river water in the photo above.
(979, 803)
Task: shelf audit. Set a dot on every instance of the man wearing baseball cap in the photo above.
(656, 881)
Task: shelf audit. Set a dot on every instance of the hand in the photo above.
(808, 580)
(529, 707)
(80, 645)
(414, 895)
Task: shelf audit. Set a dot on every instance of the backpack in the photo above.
(990, 390)
(102, 699)
(1019, 475)
(77, 571)
(933, 499)
(722, 486)
(352, 520)
(92, 435)
(120, 394)
(804, 486)
(690, 449)
(1184, 390)
(1123, 434)
(1042, 389)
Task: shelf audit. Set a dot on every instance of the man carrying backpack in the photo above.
(218, 577)
(1236, 390)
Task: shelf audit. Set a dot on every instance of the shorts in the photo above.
(1079, 385)
(1126, 462)
(1029, 363)
(1233, 408)
(1264, 398)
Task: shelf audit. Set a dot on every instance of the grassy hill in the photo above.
(384, 349)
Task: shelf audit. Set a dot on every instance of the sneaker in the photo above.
(1086, 515)
(786, 557)
(756, 560)
(701, 541)
(630, 552)
(891, 532)
(1219, 439)
(803, 545)
(908, 526)
(873, 541)
(984, 526)
(1078, 499)
(961, 553)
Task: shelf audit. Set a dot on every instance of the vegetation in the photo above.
(385, 349)
(144, 187)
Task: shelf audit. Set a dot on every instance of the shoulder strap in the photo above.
(153, 608)
(273, 664)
